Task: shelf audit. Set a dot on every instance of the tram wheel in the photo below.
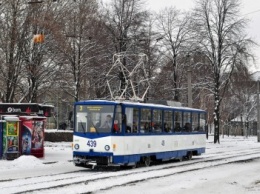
(134, 166)
(147, 161)
(189, 156)
(181, 159)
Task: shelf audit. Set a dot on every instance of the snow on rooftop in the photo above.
(143, 104)
(256, 76)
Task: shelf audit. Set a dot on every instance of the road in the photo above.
(231, 165)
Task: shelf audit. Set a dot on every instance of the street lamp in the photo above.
(258, 113)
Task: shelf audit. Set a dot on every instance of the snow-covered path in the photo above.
(230, 167)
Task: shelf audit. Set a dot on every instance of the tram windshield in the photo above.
(94, 118)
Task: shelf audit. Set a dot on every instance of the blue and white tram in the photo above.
(111, 133)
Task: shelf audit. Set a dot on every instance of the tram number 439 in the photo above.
(92, 143)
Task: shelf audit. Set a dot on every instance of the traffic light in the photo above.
(38, 38)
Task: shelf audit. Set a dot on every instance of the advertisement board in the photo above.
(11, 130)
(33, 136)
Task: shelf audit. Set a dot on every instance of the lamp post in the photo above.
(258, 113)
(241, 124)
(189, 88)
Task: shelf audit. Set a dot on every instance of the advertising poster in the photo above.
(27, 137)
(12, 136)
(33, 137)
(4, 138)
(37, 134)
(1, 138)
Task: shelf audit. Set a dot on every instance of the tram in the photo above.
(122, 133)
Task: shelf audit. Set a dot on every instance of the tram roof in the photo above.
(139, 104)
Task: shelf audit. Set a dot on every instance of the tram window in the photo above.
(81, 122)
(105, 124)
(135, 121)
(195, 121)
(177, 121)
(132, 121)
(167, 124)
(129, 119)
(145, 120)
(91, 118)
(202, 123)
(186, 122)
(157, 121)
(117, 126)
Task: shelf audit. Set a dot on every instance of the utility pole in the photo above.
(258, 113)
(189, 88)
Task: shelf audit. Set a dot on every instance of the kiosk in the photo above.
(22, 129)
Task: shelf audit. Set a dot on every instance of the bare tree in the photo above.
(25, 68)
(173, 27)
(242, 91)
(148, 43)
(124, 20)
(74, 46)
(38, 68)
(221, 38)
(11, 40)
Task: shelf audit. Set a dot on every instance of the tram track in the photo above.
(95, 184)
(60, 182)
(206, 158)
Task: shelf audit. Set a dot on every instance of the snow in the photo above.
(256, 76)
(203, 176)
(26, 162)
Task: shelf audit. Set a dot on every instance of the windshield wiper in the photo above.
(84, 129)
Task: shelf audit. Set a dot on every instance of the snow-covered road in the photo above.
(230, 167)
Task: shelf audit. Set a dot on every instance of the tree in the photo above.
(221, 38)
(38, 65)
(124, 20)
(74, 47)
(25, 67)
(242, 91)
(174, 31)
(11, 41)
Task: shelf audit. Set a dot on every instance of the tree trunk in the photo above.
(216, 117)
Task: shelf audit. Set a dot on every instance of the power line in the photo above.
(252, 12)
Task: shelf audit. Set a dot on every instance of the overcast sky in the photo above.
(251, 9)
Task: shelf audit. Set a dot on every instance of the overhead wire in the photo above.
(252, 12)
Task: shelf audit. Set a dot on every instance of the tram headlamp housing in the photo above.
(114, 147)
(76, 146)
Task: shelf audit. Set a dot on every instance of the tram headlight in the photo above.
(76, 146)
(114, 147)
(107, 147)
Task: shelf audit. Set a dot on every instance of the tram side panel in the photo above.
(128, 149)
(156, 144)
(133, 148)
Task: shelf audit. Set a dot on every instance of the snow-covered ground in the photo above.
(233, 167)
